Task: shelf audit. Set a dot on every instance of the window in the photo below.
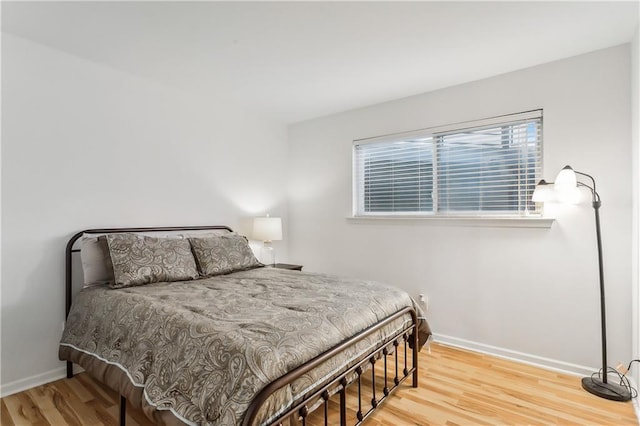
(488, 167)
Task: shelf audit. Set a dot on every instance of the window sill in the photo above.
(487, 222)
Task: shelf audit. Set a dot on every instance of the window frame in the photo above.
(502, 218)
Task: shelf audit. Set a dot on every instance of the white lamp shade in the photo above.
(566, 180)
(267, 228)
(570, 195)
(543, 192)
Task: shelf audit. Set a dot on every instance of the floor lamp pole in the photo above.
(599, 385)
(603, 315)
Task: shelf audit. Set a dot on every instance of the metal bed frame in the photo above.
(298, 412)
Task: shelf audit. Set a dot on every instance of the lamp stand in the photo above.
(599, 385)
(268, 254)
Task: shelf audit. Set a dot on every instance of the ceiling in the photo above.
(293, 61)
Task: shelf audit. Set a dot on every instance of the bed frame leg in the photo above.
(69, 369)
(415, 355)
(123, 410)
(343, 402)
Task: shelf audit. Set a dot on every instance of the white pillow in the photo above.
(96, 261)
(206, 233)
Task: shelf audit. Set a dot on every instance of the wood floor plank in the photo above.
(43, 397)
(5, 416)
(109, 415)
(78, 388)
(23, 410)
(78, 410)
(99, 391)
(457, 388)
(65, 409)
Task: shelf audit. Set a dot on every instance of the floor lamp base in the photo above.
(611, 391)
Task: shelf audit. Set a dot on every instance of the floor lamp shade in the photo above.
(566, 180)
(543, 192)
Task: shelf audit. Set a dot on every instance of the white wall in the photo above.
(86, 146)
(635, 161)
(533, 291)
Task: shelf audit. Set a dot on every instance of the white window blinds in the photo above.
(396, 177)
(489, 167)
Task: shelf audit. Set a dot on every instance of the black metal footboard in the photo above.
(299, 413)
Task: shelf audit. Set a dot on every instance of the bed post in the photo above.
(343, 402)
(123, 410)
(416, 348)
(69, 288)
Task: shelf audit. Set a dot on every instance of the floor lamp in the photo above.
(566, 187)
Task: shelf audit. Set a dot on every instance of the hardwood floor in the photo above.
(456, 388)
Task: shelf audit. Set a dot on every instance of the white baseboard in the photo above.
(537, 361)
(31, 382)
(37, 380)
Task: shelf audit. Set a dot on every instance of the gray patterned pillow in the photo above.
(223, 254)
(139, 259)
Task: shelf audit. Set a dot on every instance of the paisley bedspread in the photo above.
(201, 350)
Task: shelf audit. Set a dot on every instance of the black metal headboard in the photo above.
(70, 249)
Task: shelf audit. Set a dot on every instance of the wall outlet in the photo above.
(424, 301)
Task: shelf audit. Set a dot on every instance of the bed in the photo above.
(251, 346)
